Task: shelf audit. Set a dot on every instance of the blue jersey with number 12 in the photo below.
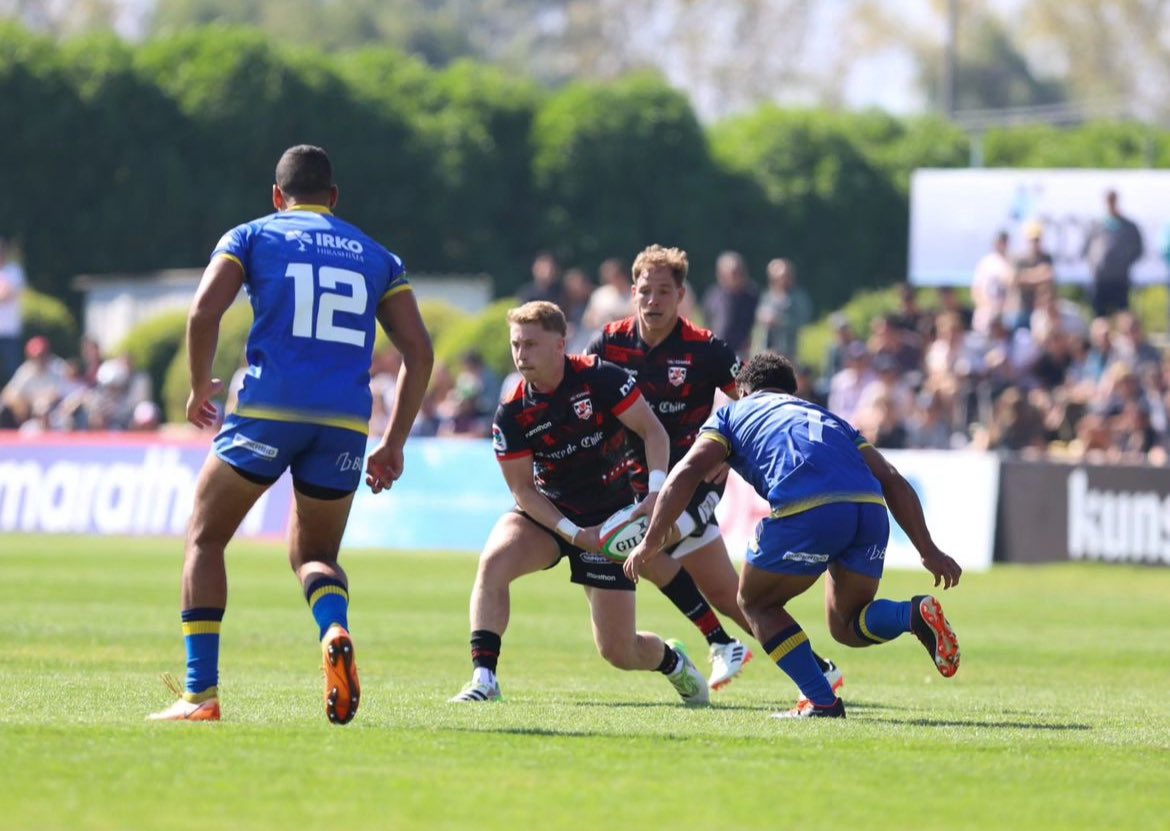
(315, 283)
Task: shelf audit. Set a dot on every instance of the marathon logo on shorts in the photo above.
(677, 375)
(605, 578)
(805, 557)
(583, 409)
(265, 451)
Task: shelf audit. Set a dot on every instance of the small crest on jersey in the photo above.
(677, 375)
(583, 408)
(499, 444)
(301, 238)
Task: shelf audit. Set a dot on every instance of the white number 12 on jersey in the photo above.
(332, 302)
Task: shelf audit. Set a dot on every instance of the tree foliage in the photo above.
(129, 159)
(832, 210)
(620, 165)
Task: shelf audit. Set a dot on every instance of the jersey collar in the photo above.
(313, 209)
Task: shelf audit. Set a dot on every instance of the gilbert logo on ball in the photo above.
(620, 534)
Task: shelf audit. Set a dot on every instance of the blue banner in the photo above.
(450, 495)
(112, 483)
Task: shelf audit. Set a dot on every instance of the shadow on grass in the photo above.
(618, 705)
(720, 705)
(545, 732)
(990, 725)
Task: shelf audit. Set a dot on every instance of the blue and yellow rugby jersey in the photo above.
(795, 454)
(315, 283)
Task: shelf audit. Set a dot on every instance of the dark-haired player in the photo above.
(317, 285)
(560, 439)
(828, 489)
(679, 367)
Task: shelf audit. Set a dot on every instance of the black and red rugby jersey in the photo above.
(678, 377)
(578, 445)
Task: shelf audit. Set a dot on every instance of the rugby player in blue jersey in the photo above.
(679, 367)
(318, 286)
(828, 489)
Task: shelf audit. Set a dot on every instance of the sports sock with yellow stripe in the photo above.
(792, 652)
(882, 620)
(328, 600)
(201, 637)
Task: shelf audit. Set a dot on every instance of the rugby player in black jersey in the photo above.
(679, 366)
(560, 438)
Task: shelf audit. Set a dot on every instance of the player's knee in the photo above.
(842, 630)
(619, 652)
(495, 569)
(203, 538)
(660, 571)
(748, 604)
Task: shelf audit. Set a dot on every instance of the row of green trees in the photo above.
(123, 158)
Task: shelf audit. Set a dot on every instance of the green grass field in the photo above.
(1059, 717)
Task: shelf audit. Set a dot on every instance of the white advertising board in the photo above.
(955, 214)
(958, 492)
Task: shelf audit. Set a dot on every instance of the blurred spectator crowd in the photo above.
(1058, 384)
(48, 393)
(1021, 368)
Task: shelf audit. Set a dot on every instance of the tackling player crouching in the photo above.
(560, 439)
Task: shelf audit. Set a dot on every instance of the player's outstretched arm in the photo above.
(518, 474)
(398, 314)
(907, 510)
(703, 458)
(218, 288)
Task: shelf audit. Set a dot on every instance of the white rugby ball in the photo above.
(620, 535)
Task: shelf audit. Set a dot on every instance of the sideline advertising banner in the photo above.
(955, 214)
(958, 492)
(95, 483)
(1052, 512)
(450, 496)
(448, 500)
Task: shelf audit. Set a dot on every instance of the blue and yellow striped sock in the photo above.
(882, 620)
(201, 637)
(793, 653)
(329, 601)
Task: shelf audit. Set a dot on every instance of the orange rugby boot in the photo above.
(342, 689)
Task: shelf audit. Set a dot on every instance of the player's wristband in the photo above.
(568, 529)
(657, 480)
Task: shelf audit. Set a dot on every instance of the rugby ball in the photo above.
(620, 535)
